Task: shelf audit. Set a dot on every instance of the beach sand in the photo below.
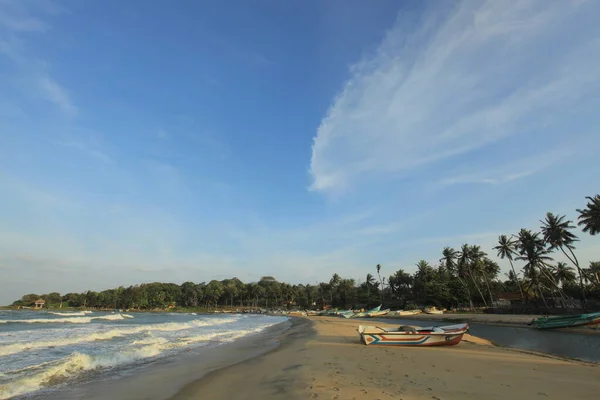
(322, 358)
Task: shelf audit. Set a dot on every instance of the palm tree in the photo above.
(368, 283)
(466, 258)
(381, 281)
(589, 217)
(334, 282)
(532, 250)
(556, 233)
(449, 260)
(563, 273)
(507, 249)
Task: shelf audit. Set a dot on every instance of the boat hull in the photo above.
(378, 313)
(443, 336)
(570, 321)
(413, 312)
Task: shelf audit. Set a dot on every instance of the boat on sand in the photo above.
(566, 321)
(408, 312)
(433, 310)
(409, 335)
(379, 313)
(366, 313)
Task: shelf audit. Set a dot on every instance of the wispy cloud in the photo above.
(456, 80)
(88, 150)
(57, 94)
(513, 170)
(18, 20)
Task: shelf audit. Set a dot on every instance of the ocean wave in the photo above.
(62, 371)
(77, 320)
(67, 314)
(68, 368)
(111, 334)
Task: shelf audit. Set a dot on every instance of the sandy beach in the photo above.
(322, 358)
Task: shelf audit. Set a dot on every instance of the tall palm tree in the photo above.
(556, 233)
(334, 282)
(369, 281)
(466, 258)
(563, 273)
(381, 281)
(507, 249)
(450, 259)
(533, 251)
(589, 217)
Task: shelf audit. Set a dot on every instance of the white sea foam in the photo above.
(77, 320)
(68, 314)
(113, 333)
(69, 367)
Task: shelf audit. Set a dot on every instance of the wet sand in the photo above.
(322, 358)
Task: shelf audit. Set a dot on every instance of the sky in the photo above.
(190, 141)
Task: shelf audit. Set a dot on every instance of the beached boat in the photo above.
(363, 314)
(408, 312)
(346, 314)
(566, 321)
(449, 335)
(379, 313)
(433, 310)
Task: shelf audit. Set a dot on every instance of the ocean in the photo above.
(43, 351)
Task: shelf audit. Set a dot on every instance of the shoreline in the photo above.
(323, 358)
(164, 377)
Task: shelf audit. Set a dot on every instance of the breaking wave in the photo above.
(68, 314)
(111, 334)
(76, 320)
(66, 369)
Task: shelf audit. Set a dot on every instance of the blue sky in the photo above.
(196, 140)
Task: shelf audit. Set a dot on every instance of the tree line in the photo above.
(463, 278)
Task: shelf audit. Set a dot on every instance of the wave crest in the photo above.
(77, 320)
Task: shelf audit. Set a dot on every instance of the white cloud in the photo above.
(514, 169)
(58, 95)
(455, 82)
(18, 19)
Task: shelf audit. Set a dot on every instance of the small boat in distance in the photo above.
(433, 310)
(566, 321)
(366, 313)
(449, 335)
(408, 312)
(379, 313)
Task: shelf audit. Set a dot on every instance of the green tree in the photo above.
(589, 217)
(506, 248)
(466, 261)
(556, 231)
(563, 274)
(532, 250)
(400, 284)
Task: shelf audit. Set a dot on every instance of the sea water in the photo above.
(44, 351)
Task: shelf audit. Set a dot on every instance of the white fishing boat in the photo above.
(433, 310)
(449, 335)
(378, 313)
(408, 312)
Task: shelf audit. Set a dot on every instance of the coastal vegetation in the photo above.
(465, 277)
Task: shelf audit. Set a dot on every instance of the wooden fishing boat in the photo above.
(409, 312)
(346, 314)
(379, 313)
(566, 321)
(366, 313)
(449, 335)
(433, 310)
